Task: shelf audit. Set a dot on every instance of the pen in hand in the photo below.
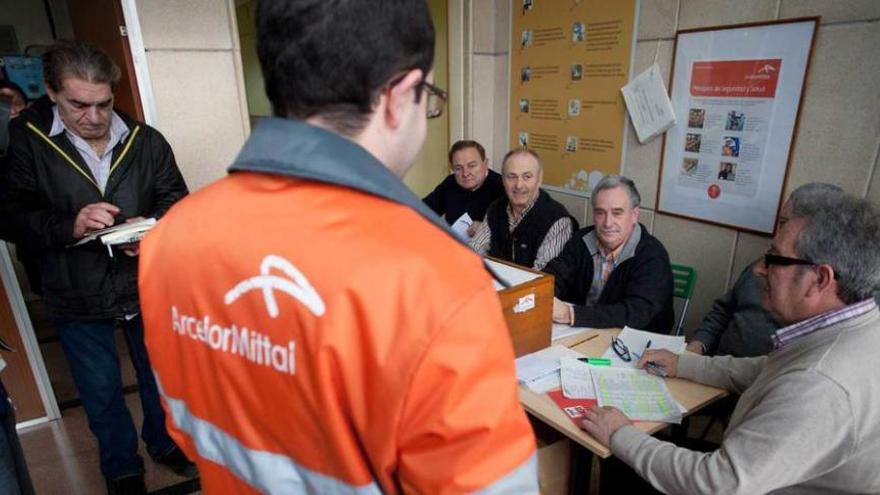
(651, 366)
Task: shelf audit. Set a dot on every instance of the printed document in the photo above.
(577, 382)
(640, 396)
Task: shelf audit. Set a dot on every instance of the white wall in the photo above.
(838, 139)
(194, 60)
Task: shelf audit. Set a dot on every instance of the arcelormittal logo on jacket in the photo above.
(249, 344)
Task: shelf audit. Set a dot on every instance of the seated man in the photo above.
(527, 227)
(614, 273)
(471, 187)
(807, 419)
(738, 325)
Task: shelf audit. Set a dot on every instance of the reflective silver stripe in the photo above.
(265, 471)
(523, 479)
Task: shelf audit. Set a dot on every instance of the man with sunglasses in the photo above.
(807, 418)
(738, 325)
(314, 326)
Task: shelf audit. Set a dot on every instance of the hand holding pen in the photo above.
(659, 362)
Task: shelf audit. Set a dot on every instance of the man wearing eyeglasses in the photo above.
(738, 325)
(311, 321)
(463, 197)
(807, 418)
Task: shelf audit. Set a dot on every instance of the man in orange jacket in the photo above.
(313, 326)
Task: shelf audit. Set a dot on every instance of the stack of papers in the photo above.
(124, 233)
(540, 370)
(640, 396)
(562, 330)
(511, 274)
(637, 341)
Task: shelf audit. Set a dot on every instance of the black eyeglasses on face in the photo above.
(436, 96)
(776, 259)
(436, 100)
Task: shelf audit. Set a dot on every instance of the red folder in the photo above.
(575, 409)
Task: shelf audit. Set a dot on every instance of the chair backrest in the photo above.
(684, 278)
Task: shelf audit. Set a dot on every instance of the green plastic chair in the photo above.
(684, 278)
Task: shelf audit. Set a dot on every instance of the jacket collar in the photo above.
(629, 248)
(296, 149)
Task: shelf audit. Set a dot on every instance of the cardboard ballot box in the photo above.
(527, 305)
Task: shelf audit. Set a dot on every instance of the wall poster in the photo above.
(568, 61)
(738, 90)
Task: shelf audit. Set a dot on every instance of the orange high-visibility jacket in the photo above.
(314, 338)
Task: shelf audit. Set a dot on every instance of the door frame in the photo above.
(29, 340)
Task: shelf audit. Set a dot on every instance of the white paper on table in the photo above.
(511, 274)
(577, 381)
(640, 396)
(461, 226)
(561, 331)
(637, 340)
(540, 370)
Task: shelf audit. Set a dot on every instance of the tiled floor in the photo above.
(62, 456)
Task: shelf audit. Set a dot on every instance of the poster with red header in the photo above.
(739, 90)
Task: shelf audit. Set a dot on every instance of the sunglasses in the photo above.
(776, 259)
(779, 260)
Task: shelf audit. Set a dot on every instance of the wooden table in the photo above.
(594, 343)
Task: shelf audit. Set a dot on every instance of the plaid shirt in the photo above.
(787, 335)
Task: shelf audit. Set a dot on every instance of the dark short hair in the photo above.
(465, 144)
(522, 151)
(332, 58)
(80, 60)
(7, 84)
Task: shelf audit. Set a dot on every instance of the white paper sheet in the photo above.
(577, 381)
(648, 104)
(461, 226)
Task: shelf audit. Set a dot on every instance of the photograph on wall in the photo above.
(572, 60)
(740, 87)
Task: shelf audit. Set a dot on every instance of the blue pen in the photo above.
(654, 367)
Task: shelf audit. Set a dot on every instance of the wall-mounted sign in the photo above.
(568, 61)
(738, 90)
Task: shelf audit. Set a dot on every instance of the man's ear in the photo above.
(637, 211)
(400, 98)
(52, 95)
(825, 279)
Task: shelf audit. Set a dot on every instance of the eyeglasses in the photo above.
(436, 100)
(436, 96)
(620, 349)
(776, 259)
